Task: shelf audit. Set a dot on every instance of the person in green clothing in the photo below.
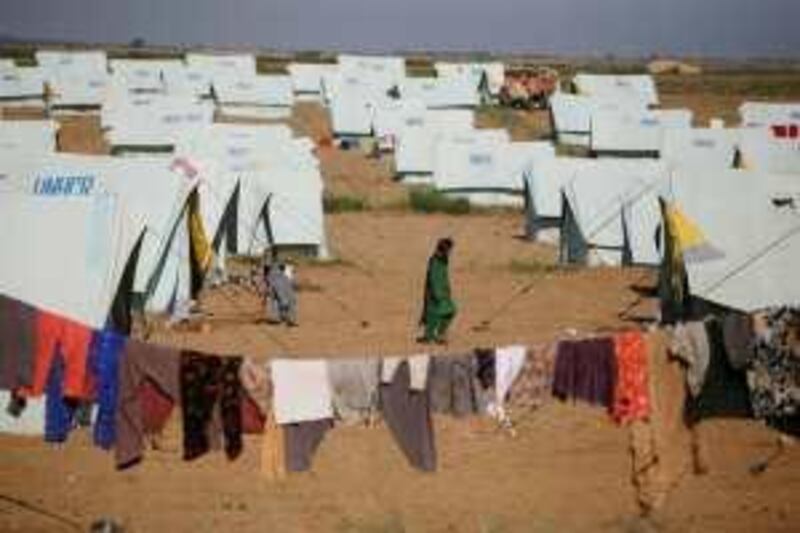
(438, 309)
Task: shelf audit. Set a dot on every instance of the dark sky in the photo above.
(733, 28)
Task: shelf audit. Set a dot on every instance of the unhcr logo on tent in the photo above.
(63, 186)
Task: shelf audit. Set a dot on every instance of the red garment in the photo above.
(779, 131)
(252, 419)
(631, 393)
(156, 407)
(54, 332)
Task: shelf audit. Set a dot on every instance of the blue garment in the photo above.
(104, 354)
(58, 411)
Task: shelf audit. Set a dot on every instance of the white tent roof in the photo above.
(380, 71)
(494, 71)
(416, 142)
(390, 116)
(7, 64)
(615, 201)
(351, 110)
(268, 161)
(223, 65)
(699, 148)
(141, 74)
(441, 93)
(153, 119)
(87, 239)
(21, 82)
(479, 163)
(760, 242)
(307, 77)
(148, 188)
(765, 114)
(52, 61)
(254, 90)
(635, 131)
(28, 136)
(761, 151)
(75, 78)
(640, 87)
(186, 81)
(572, 114)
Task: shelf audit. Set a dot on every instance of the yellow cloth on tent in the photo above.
(202, 252)
(273, 452)
(687, 232)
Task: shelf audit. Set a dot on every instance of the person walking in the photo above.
(438, 309)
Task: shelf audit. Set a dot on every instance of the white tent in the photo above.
(613, 212)
(572, 114)
(28, 136)
(150, 189)
(380, 72)
(351, 108)
(142, 75)
(487, 170)
(621, 88)
(389, 118)
(262, 91)
(21, 85)
(699, 148)
(761, 151)
(187, 81)
(766, 114)
(75, 79)
(493, 73)
(278, 177)
(441, 93)
(417, 138)
(626, 132)
(307, 78)
(152, 121)
(757, 237)
(220, 66)
(71, 256)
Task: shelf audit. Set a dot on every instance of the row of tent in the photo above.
(82, 79)
(103, 232)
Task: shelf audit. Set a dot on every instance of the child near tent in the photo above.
(280, 293)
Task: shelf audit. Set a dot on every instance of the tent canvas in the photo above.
(766, 114)
(264, 91)
(441, 93)
(307, 77)
(419, 133)
(152, 121)
(21, 84)
(28, 136)
(571, 115)
(759, 238)
(72, 255)
(389, 118)
(493, 73)
(699, 148)
(220, 66)
(150, 189)
(187, 81)
(634, 132)
(487, 171)
(761, 151)
(615, 207)
(75, 79)
(141, 75)
(638, 87)
(279, 184)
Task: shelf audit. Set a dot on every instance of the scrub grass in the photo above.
(343, 204)
(426, 200)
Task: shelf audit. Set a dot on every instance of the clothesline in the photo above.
(137, 385)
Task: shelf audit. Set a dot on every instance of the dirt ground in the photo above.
(567, 469)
